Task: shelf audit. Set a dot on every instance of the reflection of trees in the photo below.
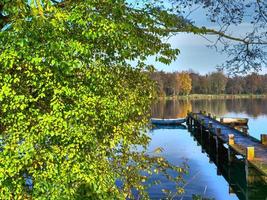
(171, 108)
(157, 108)
(219, 107)
(252, 107)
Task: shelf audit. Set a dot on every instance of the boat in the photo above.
(160, 121)
(233, 121)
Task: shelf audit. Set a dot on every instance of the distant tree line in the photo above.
(190, 82)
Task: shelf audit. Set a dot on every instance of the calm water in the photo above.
(205, 178)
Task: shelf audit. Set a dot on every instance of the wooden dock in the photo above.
(239, 143)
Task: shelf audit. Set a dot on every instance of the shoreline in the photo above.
(213, 96)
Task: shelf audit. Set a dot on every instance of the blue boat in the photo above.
(160, 121)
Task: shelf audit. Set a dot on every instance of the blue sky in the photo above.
(194, 53)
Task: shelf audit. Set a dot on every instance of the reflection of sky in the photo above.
(202, 178)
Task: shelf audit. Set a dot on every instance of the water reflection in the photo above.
(226, 180)
(220, 107)
(202, 180)
(171, 108)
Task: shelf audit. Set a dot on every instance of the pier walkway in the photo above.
(253, 150)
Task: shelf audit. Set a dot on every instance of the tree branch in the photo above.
(224, 35)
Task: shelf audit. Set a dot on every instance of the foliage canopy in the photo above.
(72, 109)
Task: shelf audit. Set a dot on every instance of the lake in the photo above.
(206, 178)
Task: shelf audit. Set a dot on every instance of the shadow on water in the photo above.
(243, 179)
(179, 127)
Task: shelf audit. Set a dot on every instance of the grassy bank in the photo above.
(215, 96)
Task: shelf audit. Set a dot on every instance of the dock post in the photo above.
(231, 155)
(252, 175)
(194, 120)
(190, 121)
(231, 190)
(264, 139)
(221, 120)
(202, 123)
(218, 131)
(201, 126)
(245, 130)
(210, 124)
(231, 139)
(187, 118)
(209, 115)
(217, 151)
(210, 131)
(250, 154)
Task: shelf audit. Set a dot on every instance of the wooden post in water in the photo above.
(231, 139)
(231, 190)
(252, 175)
(190, 121)
(187, 118)
(210, 124)
(209, 115)
(217, 153)
(218, 131)
(245, 130)
(221, 120)
(231, 155)
(250, 154)
(264, 139)
(194, 120)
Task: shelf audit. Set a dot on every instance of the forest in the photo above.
(190, 82)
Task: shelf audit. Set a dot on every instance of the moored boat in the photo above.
(160, 121)
(233, 121)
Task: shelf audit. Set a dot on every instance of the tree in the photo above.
(157, 77)
(235, 85)
(72, 108)
(217, 82)
(169, 84)
(195, 77)
(253, 82)
(185, 83)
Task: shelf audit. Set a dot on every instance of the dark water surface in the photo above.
(207, 177)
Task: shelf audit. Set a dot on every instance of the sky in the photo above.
(194, 53)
